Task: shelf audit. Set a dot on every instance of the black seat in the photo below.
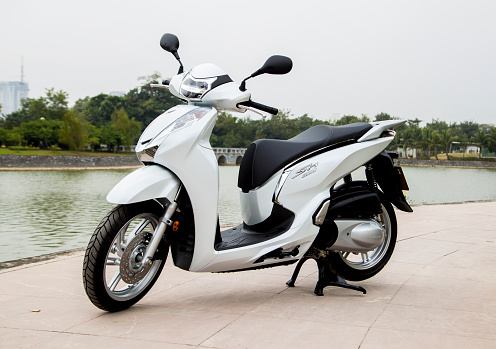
(264, 157)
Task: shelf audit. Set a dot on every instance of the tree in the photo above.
(445, 141)
(350, 119)
(464, 143)
(129, 129)
(13, 137)
(146, 103)
(279, 126)
(430, 139)
(109, 136)
(73, 131)
(3, 136)
(57, 104)
(417, 140)
(414, 122)
(491, 140)
(437, 125)
(465, 129)
(51, 107)
(480, 139)
(94, 136)
(408, 139)
(98, 109)
(41, 133)
(304, 122)
(383, 117)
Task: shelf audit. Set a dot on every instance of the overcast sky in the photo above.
(411, 59)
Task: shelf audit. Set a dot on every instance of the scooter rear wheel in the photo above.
(361, 266)
(114, 276)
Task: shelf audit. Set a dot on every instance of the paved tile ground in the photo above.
(438, 291)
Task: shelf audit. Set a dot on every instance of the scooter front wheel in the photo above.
(114, 276)
(361, 266)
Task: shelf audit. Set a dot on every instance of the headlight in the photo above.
(186, 120)
(193, 88)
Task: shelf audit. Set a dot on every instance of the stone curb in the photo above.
(66, 162)
(36, 259)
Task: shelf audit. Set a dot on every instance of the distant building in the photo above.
(11, 93)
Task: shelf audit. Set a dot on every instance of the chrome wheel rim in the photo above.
(124, 275)
(363, 261)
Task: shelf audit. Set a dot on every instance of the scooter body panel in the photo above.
(256, 205)
(311, 179)
(302, 194)
(246, 257)
(145, 183)
(190, 156)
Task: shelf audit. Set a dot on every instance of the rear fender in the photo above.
(146, 183)
(390, 180)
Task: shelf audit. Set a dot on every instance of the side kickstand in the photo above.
(291, 282)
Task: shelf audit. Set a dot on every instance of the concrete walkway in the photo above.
(438, 291)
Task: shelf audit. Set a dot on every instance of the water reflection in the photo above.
(45, 211)
(432, 185)
(48, 211)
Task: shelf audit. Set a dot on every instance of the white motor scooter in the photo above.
(292, 207)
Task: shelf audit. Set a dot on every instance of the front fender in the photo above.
(148, 182)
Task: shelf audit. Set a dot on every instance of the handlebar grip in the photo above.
(261, 107)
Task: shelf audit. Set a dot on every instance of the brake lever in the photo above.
(252, 109)
(159, 85)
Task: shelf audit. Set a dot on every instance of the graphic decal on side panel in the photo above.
(306, 171)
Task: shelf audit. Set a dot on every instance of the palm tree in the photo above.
(480, 140)
(430, 140)
(491, 140)
(408, 140)
(445, 141)
(464, 143)
(417, 141)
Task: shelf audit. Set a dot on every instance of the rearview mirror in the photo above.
(273, 65)
(170, 43)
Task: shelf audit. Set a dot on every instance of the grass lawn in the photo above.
(46, 152)
(460, 157)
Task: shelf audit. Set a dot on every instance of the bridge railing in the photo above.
(229, 150)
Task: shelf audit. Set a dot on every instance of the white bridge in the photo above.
(229, 156)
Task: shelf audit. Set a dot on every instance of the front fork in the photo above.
(157, 235)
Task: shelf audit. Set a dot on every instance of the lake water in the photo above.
(49, 211)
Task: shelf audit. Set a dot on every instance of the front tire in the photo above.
(114, 277)
(361, 266)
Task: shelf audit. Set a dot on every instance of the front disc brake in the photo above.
(132, 268)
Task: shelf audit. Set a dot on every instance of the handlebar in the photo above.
(259, 106)
(164, 84)
(249, 103)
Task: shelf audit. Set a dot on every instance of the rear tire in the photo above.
(113, 277)
(358, 267)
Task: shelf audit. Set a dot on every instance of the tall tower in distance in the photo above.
(11, 93)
